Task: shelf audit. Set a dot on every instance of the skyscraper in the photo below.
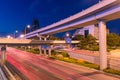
(91, 29)
(35, 24)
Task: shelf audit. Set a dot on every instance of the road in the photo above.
(36, 67)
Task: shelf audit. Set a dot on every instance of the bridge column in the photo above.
(45, 53)
(45, 38)
(3, 53)
(40, 38)
(49, 50)
(40, 49)
(102, 45)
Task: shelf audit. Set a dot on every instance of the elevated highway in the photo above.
(105, 10)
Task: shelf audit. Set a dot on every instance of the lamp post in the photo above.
(67, 34)
(8, 36)
(15, 33)
(68, 39)
(21, 36)
(28, 26)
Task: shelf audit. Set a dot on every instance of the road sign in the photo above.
(68, 40)
(44, 46)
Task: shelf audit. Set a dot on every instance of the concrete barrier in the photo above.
(113, 62)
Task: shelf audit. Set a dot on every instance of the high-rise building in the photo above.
(25, 30)
(91, 29)
(35, 24)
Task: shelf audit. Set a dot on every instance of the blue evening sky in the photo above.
(16, 14)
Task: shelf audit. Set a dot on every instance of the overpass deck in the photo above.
(105, 10)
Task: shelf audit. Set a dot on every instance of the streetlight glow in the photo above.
(8, 36)
(16, 31)
(28, 26)
(67, 34)
(21, 36)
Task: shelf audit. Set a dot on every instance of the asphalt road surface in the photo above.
(36, 67)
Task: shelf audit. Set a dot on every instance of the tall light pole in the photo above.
(8, 36)
(21, 36)
(15, 33)
(27, 27)
(68, 39)
(67, 34)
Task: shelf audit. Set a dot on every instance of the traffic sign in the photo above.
(68, 40)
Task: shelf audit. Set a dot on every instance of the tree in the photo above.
(78, 37)
(90, 40)
(51, 37)
(83, 43)
(88, 43)
(113, 40)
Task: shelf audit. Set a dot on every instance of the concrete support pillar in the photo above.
(45, 52)
(3, 54)
(25, 48)
(45, 39)
(40, 38)
(49, 51)
(102, 45)
(3, 57)
(40, 49)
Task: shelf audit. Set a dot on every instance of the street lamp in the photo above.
(8, 36)
(22, 35)
(15, 33)
(28, 26)
(67, 34)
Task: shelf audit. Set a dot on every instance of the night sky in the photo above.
(16, 14)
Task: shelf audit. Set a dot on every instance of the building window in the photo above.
(86, 32)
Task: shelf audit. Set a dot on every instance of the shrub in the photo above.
(70, 60)
(91, 65)
(66, 58)
(65, 54)
(59, 56)
(52, 57)
(53, 52)
(112, 71)
(80, 61)
(35, 51)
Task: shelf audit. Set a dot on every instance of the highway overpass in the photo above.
(99, 13)
(105, 10)
(6, 41)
